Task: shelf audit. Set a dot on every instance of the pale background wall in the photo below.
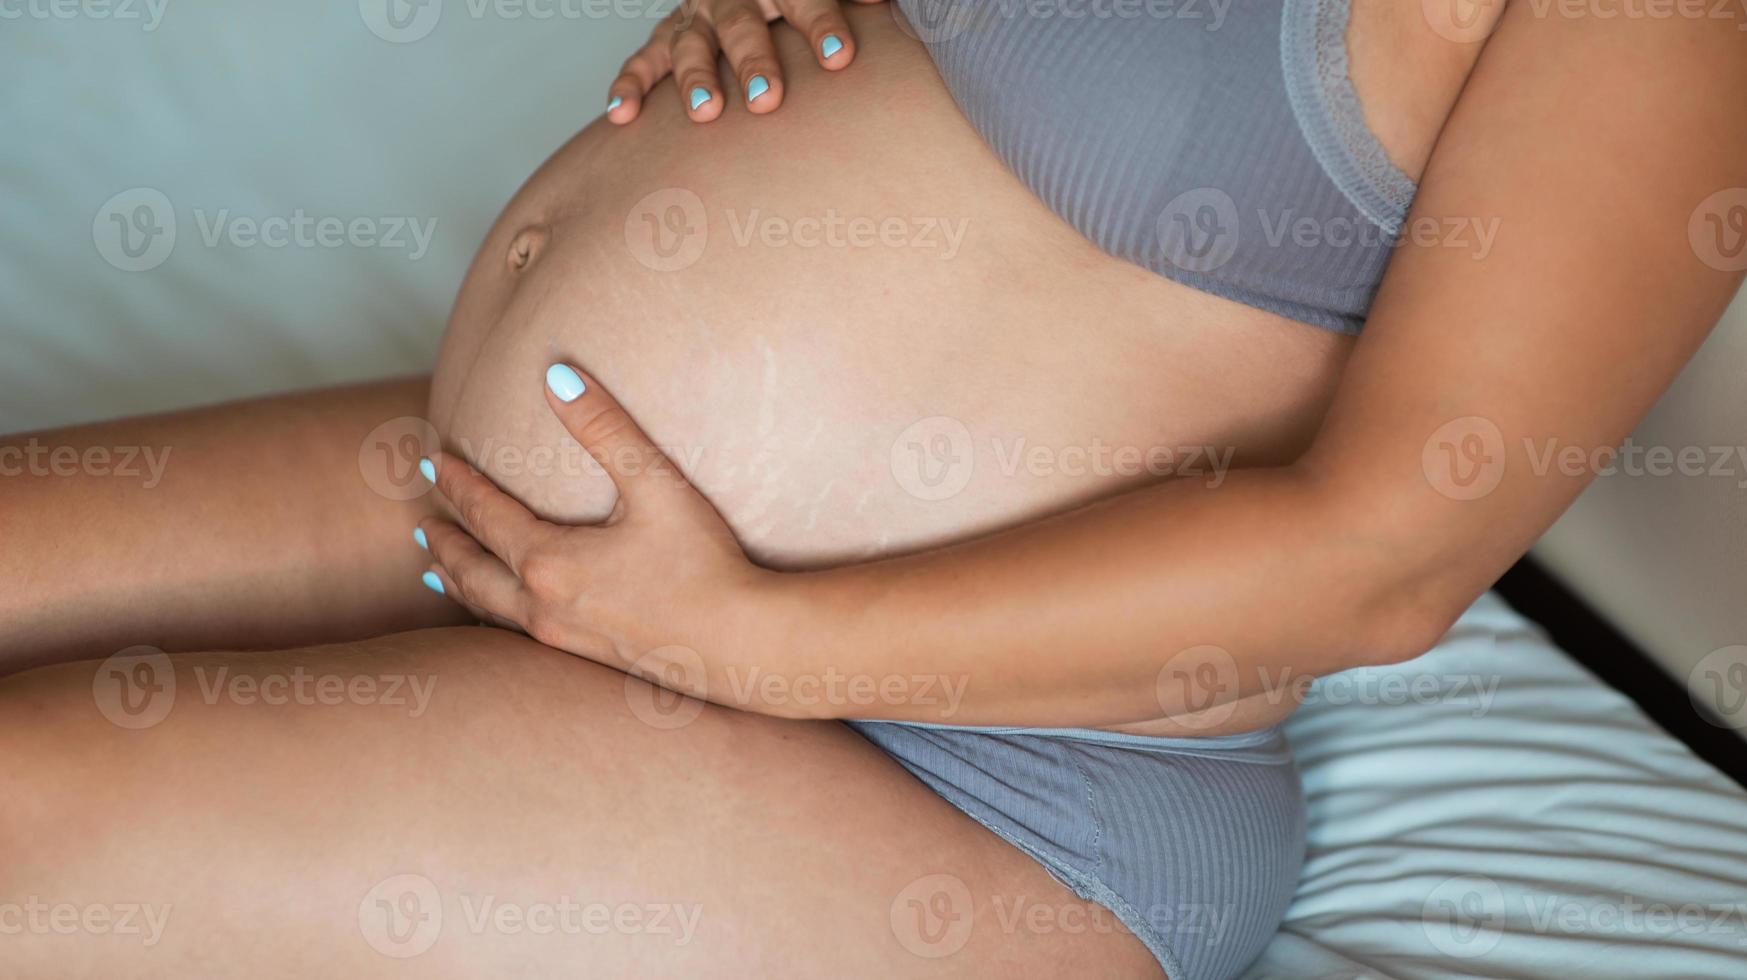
(259, 108)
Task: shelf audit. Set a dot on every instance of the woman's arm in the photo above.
(271, 523)
(1596, 145)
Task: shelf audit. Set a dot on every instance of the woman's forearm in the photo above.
(1176, 601)
(270, 522)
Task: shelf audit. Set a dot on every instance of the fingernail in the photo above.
(755, 88)
(432, 582)
(418, 534)
(564, 382)
(428, 470)
(830, 45)
(614, 103)
(700, 95)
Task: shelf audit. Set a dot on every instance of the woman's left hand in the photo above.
(661, 583)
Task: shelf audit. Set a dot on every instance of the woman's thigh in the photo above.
(465, 802)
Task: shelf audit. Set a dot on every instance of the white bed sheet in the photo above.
(1514, 818)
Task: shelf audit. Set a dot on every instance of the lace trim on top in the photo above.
(1313, 55)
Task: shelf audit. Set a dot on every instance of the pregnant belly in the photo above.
(851, 325)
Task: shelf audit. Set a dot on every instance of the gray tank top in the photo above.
(1216, 142)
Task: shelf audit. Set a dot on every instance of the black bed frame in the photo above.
(1590, 640)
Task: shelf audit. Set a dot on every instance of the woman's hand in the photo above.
(661, 588)
(687, 42)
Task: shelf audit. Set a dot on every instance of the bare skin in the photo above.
(1449, 337)
(260, 528)
(529, 778)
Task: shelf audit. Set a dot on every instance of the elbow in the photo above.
(1404, 619)
(1395, 578)
(1403, 637)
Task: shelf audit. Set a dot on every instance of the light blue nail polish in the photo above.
(432, 582)
(755, 88)
(418, 534)
(565, 382)
(830, 45)
(427, 470)
(614, 103)
(700, 95)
